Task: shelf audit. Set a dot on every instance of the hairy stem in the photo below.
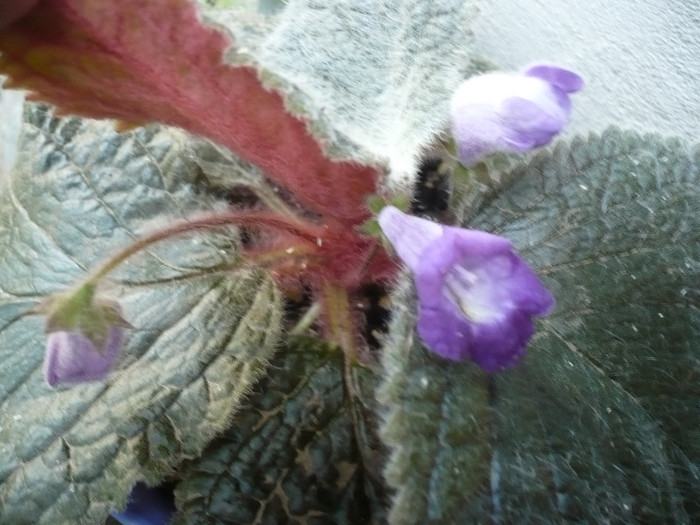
(304, 230)
(307, 320)
(339, 326)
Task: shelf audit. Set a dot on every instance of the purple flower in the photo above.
(85, 335)
(73, 358)
(476, 297)
(511, 112)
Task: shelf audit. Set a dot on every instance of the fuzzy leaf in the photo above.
(11, 110)
(600, 422)
(156, 62)
(292, 455)
(374, 77)
(80, 191)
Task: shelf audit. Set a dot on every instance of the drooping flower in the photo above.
(476, 296)
(73, 358)
(511, 112)
(85, 336)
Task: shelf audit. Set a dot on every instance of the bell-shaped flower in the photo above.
(85, 336)
(511, 112)
(476, 296)
(71, 357)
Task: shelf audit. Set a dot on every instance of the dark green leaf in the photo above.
(292, 455)
(200, 338)
(601, 421)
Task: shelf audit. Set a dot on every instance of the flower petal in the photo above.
(527, 291)
(493, 346)
(564, 79)
(409, 235)
(444, 253)
(501, 344)
(511, 112)
(72, 358)
(445, 332)
(476, 296)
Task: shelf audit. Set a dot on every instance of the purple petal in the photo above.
(476, 129)
(564, 79)
(528, 116)
(500, 345)
(409, 235)
(72, 358)
(445, 331)
(511, 112)
(531, 125)
(476, 296)
(527, 291)
(471, 148)
(493, 346)
(443, 254)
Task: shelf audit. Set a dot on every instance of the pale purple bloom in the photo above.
(73, 358)
(476, 296)
(511, 112)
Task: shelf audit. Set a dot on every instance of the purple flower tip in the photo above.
(476, 296)
(511, 112)
(73, 358)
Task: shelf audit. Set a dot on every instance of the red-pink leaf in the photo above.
(154, 61)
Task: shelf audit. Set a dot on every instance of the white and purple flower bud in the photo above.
(511, 112)
(476, 296)
(85, 336)
(71, 357)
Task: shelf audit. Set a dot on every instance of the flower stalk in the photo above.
(301, 229)
(339, 326)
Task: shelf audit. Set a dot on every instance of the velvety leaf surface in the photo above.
(394, 68)
(601, 421)
(10, 124)
(168, 67)
(200, 338)
(301, 451)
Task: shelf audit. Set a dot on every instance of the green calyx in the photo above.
(375, 204)
(80, 310)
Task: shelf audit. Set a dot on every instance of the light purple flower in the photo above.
(73, 358)
(476, 296)
(511, 112)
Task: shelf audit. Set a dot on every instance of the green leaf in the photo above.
(471, 188)
(292, 454)
(601, 421)
(394, 68)
(200, 338)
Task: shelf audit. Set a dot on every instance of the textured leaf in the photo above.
(601, 421)
(199, 339)
(10, 124)
(379, 74)
(155, 62)
(291, 455)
